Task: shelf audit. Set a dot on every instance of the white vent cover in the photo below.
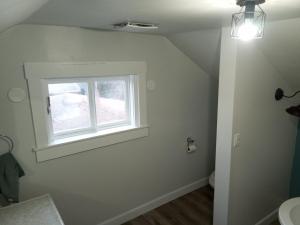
(135, 26)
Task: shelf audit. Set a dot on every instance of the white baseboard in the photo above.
(269, 218)
(146, 207)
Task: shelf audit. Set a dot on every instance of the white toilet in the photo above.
(212, 180)
(289, 212)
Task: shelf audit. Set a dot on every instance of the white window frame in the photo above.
(130, 100)
(38, 76)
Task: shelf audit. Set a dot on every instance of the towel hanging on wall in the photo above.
(10, 172)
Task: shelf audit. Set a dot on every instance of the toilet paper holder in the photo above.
(191, 146)
(189, 140)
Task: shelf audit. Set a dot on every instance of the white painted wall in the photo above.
(96, 185)
(260, 167)
(203, 47)
(281, 45)
(224, 127)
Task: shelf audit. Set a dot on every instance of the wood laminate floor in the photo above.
(195, 208)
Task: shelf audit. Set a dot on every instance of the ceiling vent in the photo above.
(135, 26)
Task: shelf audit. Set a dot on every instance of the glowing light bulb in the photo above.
(248, 31)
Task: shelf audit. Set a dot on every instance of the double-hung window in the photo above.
(82, 106)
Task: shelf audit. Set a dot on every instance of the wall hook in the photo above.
(279, 94)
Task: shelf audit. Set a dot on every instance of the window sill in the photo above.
(73, 145)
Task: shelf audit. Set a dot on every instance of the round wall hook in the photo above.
(279, 94)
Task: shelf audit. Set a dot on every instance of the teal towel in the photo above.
(10, 172)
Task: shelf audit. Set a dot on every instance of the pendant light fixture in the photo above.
(248, 24)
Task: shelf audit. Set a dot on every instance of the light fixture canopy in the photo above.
(249, 23)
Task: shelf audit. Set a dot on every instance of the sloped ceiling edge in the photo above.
(13, 12)
(202, 46)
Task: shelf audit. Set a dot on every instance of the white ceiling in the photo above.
(203, 47)
(16, 11)
(172, 15)
(281, 45)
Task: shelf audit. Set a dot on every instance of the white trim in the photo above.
(69, 148)
(268, 218)
(94, 126)
(38, 73)
(82, 69)
(146, 207)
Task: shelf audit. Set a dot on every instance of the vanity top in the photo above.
(36, 211)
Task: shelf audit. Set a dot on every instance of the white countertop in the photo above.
(37, 211)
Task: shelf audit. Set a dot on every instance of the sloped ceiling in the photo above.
(16, 11)
(203, 47)
(179, 21)
(281, 45)
(172, 15)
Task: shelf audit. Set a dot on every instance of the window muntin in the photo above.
(88, 105)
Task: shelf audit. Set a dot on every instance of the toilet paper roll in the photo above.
(192, 148)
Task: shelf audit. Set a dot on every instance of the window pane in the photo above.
(111, 101)
(70, 108)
